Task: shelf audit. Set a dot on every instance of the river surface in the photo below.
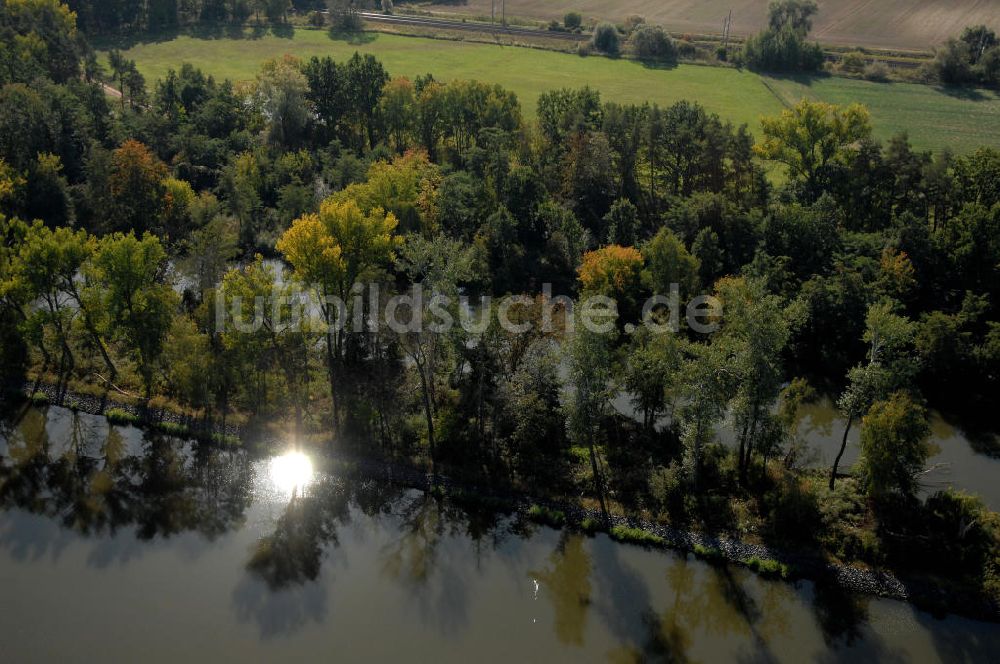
(121, 546)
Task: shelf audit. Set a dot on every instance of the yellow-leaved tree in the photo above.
(810, 136)
(407, 188)
(331, 251)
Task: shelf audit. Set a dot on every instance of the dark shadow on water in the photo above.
(961, 640)
(352, 37)
(279, 612)
(841, 615)
(625, 591)
(975, 420)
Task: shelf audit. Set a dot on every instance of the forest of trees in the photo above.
(846, 266)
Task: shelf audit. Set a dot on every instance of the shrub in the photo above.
(632, 22)
(225, 439)
(709, 553)
(547, 516)
(317, 19)
(591, 525)
(636, 536)
(667, 489)
(767, 567)
(173, 428)
(794, 510)
(606, 39)
(652, 42)
(121, 417)
(877, 71)
(853, 63)
(572, 20)
(39, 398)
(964, 536)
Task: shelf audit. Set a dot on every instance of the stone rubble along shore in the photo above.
(865, 581)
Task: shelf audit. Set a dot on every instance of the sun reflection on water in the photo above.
(291, 472)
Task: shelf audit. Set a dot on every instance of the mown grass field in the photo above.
(904, 24)
(933, 118)
(960, 119)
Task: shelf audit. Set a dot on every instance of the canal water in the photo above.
(121, 546)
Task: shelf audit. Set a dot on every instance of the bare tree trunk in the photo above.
(598, 482)
(843, 446)
(92, 331)
(428, 412)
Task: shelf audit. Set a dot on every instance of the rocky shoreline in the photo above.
(850, 578)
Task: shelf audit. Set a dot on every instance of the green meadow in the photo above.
(933, 118)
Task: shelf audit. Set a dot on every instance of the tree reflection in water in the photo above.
(96, 485)
(450, 567)
(713, 602)
(293, 553)
(566, 583)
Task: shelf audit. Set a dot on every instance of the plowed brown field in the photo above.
(898, 24)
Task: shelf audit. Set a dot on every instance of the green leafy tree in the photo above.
(127, 274)
(280, 93)
(650, 373)
(893, 446)
(889, 366)
(439, 265)
(782, 46)
(668, 262)
(606, 39)
(652, 42)
(40, 40)
(397, 109)
(14, 294)
(753, 335)
(704, 387)
(794, 14)
(622, 222)
(189, 362)
(590, 382)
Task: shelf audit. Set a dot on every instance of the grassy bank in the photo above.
(933, 118)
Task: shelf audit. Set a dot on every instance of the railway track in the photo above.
(448, 24)
(424, 22)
